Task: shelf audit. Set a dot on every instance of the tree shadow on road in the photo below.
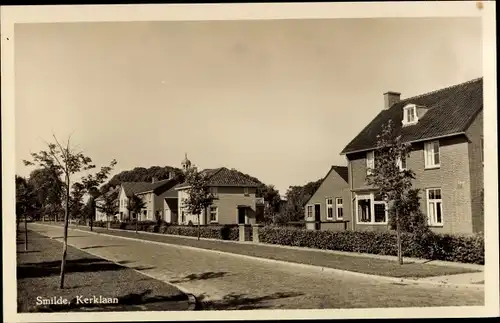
(242, 302)
(27, 251)
(201, 276)
(96, 247)
(131, 302)
(50, 268)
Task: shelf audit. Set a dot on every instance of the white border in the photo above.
(158, 12)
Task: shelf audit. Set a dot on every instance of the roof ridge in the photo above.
(442, 89)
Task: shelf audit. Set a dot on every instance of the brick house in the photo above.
(445, 128)
(154, 194)
(235, 200)
(328, 208)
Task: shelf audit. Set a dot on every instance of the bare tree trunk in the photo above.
(65, 241)
(25, 233)
(198, 227)
(92, 213)
(398, 238)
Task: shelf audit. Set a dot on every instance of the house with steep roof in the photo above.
(154, 194)
(328, 208)
(445, 129)
(235, 201)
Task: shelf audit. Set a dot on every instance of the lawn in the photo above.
(366, 265)
(88, 277)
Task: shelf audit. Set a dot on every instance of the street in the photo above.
(223, 281)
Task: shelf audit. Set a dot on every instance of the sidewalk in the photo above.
(378, 266)
(91, 283)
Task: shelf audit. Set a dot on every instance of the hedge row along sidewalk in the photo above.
(431, 246)
(87, 276)
(372, 266)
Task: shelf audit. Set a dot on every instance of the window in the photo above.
(401, 163)
(213, 191)
(145, 212)
(434, 207)
(482, 149)
(339, 208)
(149, 197)
(410, 115)
(329, 208)
(245, 191)
(213, 214)
(183, 217)
(309, 211)
(431, 152)
(371, 209)
(370, 162)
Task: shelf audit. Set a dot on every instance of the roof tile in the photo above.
(450, 111)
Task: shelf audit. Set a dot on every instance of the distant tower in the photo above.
(186, 163)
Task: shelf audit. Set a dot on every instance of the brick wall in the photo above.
(474, 134)
(453, 177)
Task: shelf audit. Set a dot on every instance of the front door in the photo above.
(241, 215)
(317, 215)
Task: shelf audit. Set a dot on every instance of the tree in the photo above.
(199, 197)
(67, 163)
(90, 184)
(272, 200)
(413, 221)
(135, 205)
(49, 189)
(394, 184)
(109, 205)
(25, 204)
(76, 201)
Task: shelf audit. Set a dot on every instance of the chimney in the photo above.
(390, 98)
(153, 180)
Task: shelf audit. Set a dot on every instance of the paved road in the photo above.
(229, 282)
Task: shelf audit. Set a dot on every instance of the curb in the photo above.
(335, 252)
(305, 266)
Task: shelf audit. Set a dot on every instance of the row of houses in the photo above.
(235, 200)
(445, 128)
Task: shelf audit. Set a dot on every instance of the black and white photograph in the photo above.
(249, 161)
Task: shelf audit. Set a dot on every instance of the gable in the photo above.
(446, 112)
(332, 185)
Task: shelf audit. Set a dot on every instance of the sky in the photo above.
(276, 99)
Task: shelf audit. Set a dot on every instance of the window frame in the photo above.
(429, 152)
(370, 162)
(216, 214)
(406, 114)
(434, 201)
(400, 161)
(339, 206)
(371, 198)
(307, 211)
(329, 206)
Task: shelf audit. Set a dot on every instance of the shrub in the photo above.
(467, 249)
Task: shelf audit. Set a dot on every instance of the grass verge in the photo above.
(91, 283)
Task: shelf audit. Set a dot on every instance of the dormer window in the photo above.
(410, 115)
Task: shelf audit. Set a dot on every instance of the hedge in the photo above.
(221, 232)
(466, 249)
